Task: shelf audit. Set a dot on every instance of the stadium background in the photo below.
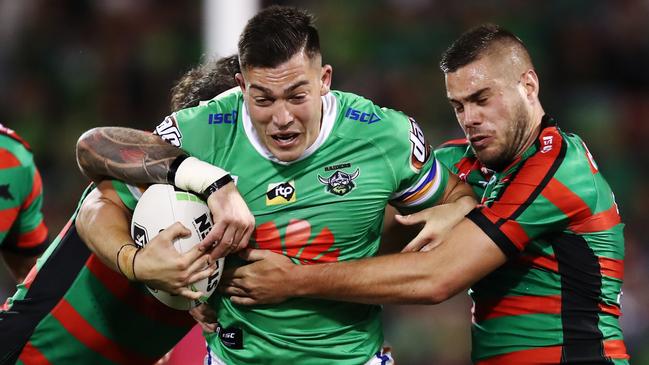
(67, 66)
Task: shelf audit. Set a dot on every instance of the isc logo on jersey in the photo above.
(281, 193)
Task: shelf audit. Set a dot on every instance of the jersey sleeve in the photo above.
(23, 230)
(421, 179)
(208, 124)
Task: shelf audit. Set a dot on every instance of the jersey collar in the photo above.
(329, 112)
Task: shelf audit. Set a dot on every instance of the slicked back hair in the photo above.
(204, 82)
(474, 43)
(276, 34)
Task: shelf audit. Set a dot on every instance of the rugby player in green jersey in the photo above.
(23, 234)
(73, 309)
(315, 167)
(543, 254)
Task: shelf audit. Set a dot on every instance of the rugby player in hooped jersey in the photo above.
(23, 234)
(543, 254)
(313, 170)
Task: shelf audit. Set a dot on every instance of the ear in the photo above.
(240, 81)
(325, 79)
(530, 82)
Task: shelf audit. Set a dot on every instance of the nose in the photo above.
(282, 117)
(471, 116)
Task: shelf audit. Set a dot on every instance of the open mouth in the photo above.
(286, 138)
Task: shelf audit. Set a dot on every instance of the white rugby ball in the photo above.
(160, 206)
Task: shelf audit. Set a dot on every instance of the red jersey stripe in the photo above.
(7, 218)
(515, 306)
(516, 233)
(538, 356)
(601, 221)
(7, 159)
(33, 238)
(615, 349)
(83, 331)
(530, 177)
(610, 309)
(546, 262)
(612, 267)
(550, 355)
(567, 201)
(37, 189)
(146, 305)
(31, 356)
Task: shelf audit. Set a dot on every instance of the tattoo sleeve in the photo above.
(131, 155)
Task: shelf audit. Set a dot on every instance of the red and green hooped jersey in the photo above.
(22, 230)
(326, 206)
(73, 309)
(557, 299)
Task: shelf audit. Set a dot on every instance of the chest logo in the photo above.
(340, 183)
(281, 193)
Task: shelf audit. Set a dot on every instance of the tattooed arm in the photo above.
(139, 157)
(126, 154)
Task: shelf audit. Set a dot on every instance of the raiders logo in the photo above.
(340, 183)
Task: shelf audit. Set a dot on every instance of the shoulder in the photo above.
(200, 122)
(359, 117)
(14, 151)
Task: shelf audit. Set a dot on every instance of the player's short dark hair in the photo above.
(473, 43)
(275, 35)
(204, 82)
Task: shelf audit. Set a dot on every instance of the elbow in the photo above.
(84, 150)
(439, 292)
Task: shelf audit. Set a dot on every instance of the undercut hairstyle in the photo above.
(276, 34)
(204, 82)
(476, 42)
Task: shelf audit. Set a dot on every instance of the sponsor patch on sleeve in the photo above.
(168, 130)
(419, 149)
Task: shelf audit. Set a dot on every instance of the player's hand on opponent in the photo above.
(233, 223)
(160, 266)
(438, 222)
(205, 316)
(263, 281)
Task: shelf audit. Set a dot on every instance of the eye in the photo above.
(482, 101)
(457, 107)
(298, 98)
(262, 101)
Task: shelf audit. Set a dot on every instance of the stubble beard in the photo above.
(512, 147)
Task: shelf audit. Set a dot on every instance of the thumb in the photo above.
(252, 254)
(410, 219)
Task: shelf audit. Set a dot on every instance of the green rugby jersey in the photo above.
(557, 299)
(22, 230)
(326, 206)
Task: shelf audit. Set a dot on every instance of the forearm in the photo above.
(406, 278)
(125, 154)
(104, 227)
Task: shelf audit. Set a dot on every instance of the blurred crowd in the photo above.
(71, 65)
